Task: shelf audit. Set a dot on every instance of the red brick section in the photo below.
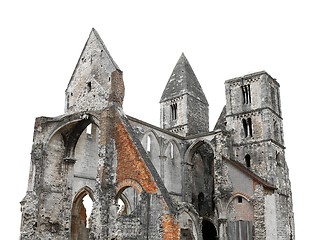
(130, 164)
(171, 229)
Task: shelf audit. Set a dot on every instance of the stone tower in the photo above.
(177, 181)
(183, 105)
(254, 118)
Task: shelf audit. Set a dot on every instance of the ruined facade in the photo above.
(176, 181)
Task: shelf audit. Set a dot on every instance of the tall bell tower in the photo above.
(253, 115)
(254, 120)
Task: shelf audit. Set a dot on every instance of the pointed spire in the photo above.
(104, 47)
(183, 81)
(97, 80)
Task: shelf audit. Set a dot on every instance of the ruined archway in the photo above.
(199, 177)
(80, 221)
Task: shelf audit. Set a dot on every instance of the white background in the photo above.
(41, 41)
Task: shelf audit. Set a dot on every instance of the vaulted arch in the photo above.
(151, 144)
(198, 179)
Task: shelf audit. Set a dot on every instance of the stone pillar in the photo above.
(104, 208)
(68, 166)
(222, 229)
(30, 203)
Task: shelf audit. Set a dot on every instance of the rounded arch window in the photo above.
(127, 200)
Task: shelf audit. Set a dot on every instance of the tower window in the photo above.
(247, 125)
(173, 111)
(89, 86)
(240, 199)
(246, 94)
(247, 160)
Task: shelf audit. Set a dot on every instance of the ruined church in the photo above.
(186, 179)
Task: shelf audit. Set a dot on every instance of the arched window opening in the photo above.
(246, 94)
(88, 204)
(247, 160)
(127, 201)
(171, 151)
(209, 231)
(81, 216)
(201, 185)
(89, 129)
(173, 107)
(247, 125)
(148, 144)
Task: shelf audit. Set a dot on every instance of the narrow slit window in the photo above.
(148, 144)
(173, 111)
(247, 160)
(245, 127)
(249, 124)
(171, 151)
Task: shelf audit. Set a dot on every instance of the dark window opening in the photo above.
(209, 231)
(247, 160)
(247, 125)
(173, 111)
(240, 199)
(246, 94)
(89, 86)
(67, 101)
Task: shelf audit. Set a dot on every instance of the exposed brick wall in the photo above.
(130, 164)
(171, 229)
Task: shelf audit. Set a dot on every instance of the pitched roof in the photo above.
(94, 42)
(251, 174)
(183, 81)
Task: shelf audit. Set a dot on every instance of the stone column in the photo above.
(69, 163)
(222, 229)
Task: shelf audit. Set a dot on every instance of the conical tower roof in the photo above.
(183, 81)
